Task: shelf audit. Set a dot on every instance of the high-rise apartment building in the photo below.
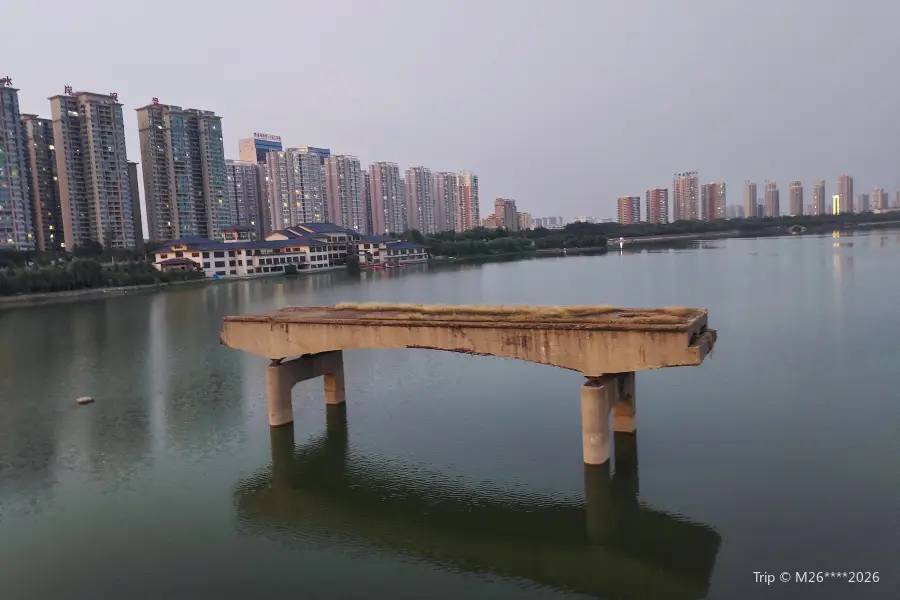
(845, 192)
(712, 201)
(897, 199)
(296, 193)
(862, 204)
(344, 192)
(421, 208)
(446, 201)
(506, 213)
(879, 199)
(256, 149)
(772, 200)
(16, 228)
(366, 200)
(629, 210)
(469, 209)
(322, 153)
(244, 194)
(92, 166)
(751, 199)
(819, 203)
(185, 178)
(686, 196)
(386, 198)
(795, 199)
(657, 205)
(525, 221)
(43, 188)
(836, 204)
(136, 204)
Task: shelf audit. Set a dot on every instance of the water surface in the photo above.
(453, 476)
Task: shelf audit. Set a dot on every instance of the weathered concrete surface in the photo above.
(616, 341)
(283, 376)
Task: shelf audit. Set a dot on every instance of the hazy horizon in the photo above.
(561, 106)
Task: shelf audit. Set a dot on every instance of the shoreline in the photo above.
(44, 298)
(47, 298)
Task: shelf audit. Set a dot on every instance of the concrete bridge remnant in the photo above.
(605, 344)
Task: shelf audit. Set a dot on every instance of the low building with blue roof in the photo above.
(309, 247)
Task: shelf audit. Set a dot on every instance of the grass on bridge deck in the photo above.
(580, 314)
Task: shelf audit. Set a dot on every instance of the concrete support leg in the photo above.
(280, 379)
(596, 401)
(282, 376)
(625, 408)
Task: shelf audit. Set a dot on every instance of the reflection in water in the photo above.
(611, 545)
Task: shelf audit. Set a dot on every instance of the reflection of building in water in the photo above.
(609, 546)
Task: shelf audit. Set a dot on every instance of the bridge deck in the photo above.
(590, 339)
(508, 316)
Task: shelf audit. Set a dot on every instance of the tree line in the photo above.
(481, 241)
(92, 266)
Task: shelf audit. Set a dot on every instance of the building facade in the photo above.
(244, 195)
(469, 208)
(344, 192)
(303, 248)
(751, 199)
(386, 198)
(43, 188)
(657, 205)
(525, 221)
(686, 196)
(446, 201)
(16, 227)
(136, 204)
(92, 166)
(256, 149)
(879, 199)
(296, 193)
(772, 200)
(506, 213)
(366, 193)
(819, 199)
(421, 208)
(845, 193)
(712, 201)
(185, 176)
(629, 210)
(862, 204)
(795, 199)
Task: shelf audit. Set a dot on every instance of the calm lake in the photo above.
(451, 476)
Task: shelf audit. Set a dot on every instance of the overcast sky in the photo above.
(563, 105)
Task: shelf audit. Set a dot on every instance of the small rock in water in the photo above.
(84, 400)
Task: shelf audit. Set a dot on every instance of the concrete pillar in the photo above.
(280, 379)
(596, 401)
(333, 370)
(625, 408)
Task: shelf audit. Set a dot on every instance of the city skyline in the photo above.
(191, 189)
(215, 201)
(533, 90)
